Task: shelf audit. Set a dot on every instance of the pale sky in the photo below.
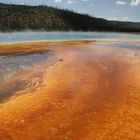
(128, 10)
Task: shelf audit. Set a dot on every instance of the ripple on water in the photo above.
(11, 65)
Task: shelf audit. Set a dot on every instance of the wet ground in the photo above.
(73, 90)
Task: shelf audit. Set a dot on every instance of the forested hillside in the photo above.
(20, 18)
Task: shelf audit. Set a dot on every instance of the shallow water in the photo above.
(85, 90)
(11, 64)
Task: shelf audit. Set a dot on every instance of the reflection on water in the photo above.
(121, 45)
(125, 45)
(11, 64)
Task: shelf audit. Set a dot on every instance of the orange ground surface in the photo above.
(84, 91)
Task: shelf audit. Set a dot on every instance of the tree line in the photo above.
(22, 17)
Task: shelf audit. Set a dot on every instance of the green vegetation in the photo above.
(21, 17)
